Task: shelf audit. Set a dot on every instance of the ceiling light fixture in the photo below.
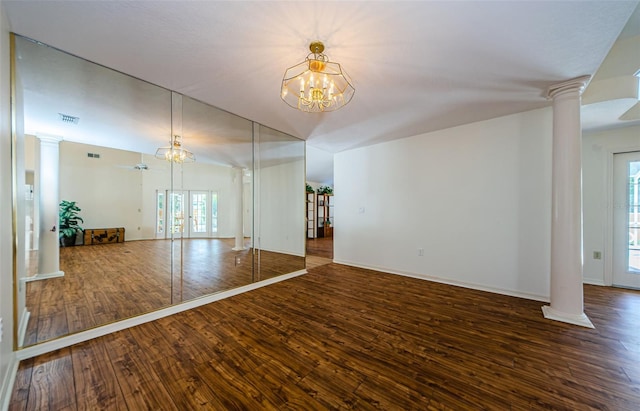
(175, 153)
(66, 118)
(316, 85)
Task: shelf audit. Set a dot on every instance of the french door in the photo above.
(626, 220)
(190, 214)
(199, 205)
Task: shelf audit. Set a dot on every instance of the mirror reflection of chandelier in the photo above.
(316, 85)
(175, 153)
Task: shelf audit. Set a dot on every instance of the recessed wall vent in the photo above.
(65, 118)
(93, 155)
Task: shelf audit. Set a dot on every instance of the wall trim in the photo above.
(608, 229)
(593, 281)
(38, 277)
(72, 339)
(289, 252)
(22, 326)
(8, 381)
(608, 218)
(463, 284)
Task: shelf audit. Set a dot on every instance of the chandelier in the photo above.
(175, 153)
(316, 85)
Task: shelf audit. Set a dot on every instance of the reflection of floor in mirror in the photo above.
(109, 282)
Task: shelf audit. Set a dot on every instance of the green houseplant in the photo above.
(328, 190)
(69, 219)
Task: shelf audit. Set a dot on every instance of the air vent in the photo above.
(65, 118)
(93, 155)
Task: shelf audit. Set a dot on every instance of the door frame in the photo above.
(186, 200)
(208, 214)
(608, 229)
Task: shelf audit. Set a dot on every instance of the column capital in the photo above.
(50, 139)
(572, 85)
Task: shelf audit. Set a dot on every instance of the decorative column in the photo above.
(49, 243)
(567, 303)
(239, 209)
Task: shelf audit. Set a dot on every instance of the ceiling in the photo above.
(417, 66)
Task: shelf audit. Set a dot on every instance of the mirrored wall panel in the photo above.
(279, 229)
(131, 198)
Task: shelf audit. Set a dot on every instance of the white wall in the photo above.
(108, 194)
(597, 156)
(7, 357)
(112, 194)
(476, 198)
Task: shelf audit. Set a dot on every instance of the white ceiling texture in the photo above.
(417, 66)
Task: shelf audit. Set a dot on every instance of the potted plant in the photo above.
(309, 188)
(327, 190)
(69, 219)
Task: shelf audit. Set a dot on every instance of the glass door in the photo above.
(176, 213)
(214, 214)
(626, 220)
(199, 214)
(160, 213)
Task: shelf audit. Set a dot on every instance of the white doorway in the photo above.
(626, 220)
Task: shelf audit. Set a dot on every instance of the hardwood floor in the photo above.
(320, 247)
(109, 282)
(348, 338)
(319, 252)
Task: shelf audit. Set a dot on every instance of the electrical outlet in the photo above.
(597, 255)
(237, 260)
(420, 252)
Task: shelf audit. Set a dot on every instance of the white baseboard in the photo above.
(43, 276)
(592, 281)
(463, 284)
(72, 339)
(8, 380)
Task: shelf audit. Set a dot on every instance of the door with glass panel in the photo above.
(176, 214)
(199, 212)
(197, 218)
(214, 214)
(626, 220)
(160, 213)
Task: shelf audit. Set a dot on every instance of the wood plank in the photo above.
(141, 387)
(52, 382)
(96, 385)
(348, 338)
(21, 387)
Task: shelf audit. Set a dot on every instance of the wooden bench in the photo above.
(103, 235)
